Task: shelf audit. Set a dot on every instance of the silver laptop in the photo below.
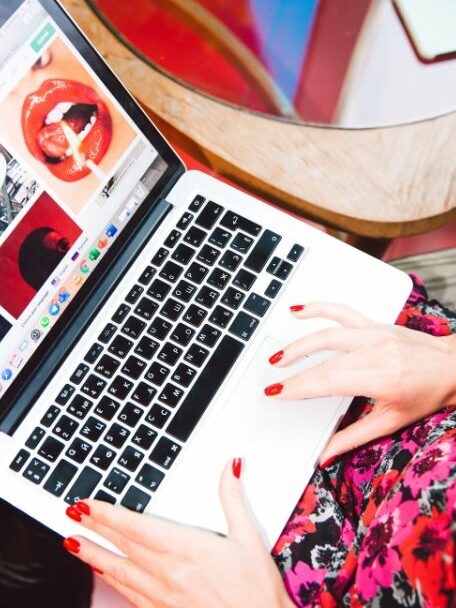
(140, 302)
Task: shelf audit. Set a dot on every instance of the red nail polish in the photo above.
(237, 467)
(297, 308)
(276, 358)
(73, 513)
(98, 571)
(72, 545)
(327, 463)
(83, 508)
(274, 389)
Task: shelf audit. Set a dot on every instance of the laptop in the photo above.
(140, 302)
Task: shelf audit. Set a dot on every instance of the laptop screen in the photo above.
(75, 170)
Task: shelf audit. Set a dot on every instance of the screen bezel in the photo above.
(174, 170)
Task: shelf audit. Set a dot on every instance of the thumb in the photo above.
(237, 513)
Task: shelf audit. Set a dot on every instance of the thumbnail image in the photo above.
(17, 187)
(32, 252)
(153, 173)
(5, 326)
(60, 120)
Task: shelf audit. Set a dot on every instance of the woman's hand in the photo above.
(410, 374)
(168, 565)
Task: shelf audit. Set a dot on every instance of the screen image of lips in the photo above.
(67, 127)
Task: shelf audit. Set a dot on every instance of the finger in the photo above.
(136, 599)
(344, 315)
(240, 522)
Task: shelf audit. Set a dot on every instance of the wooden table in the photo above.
(377, 184)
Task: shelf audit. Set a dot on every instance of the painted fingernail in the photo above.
(74, 514)
(297, 307)
(274, 389)
(276, 358)
(98, 571)
(72, 545)
(327, 463)
(83, 508)
(237, 467)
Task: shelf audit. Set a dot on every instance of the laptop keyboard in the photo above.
(122, 418)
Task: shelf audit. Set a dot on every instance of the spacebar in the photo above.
(205, 388)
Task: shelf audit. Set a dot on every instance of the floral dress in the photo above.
(378, 527)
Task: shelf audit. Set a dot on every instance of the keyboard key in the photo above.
(171, 395)
(19, 461)
(65, 394)
(121, 314)
(131, 459)
(120, 346)
(242, 243)
(147, 275)
(158, 416)
(273, 289)
(160, 256)
(144, 393)
(84, 485)
(273, 265)
(107, 366)
(159, 290)
(150, 477)
(233, 298)
(79, 450)
(35, 438)
(243, 326)
(93, 386)
(130, 415)
(220, 237)
(65, 428)
(51, 449)
(196, 273)
(172, 309)
(182, 334)
(147, 348)
(208, 255)
(117, 435)
(205, 388)
(94, 352)
(107, 333)
(165, 452)
(159, 328)
(157, 374)
(146, 308)
(107, 408)
(172, 238)
(196, 355)
(195, 236)
(120, 387)
(208, 335)
(171, 272)
(36, 471)
(116, 481)
(184, 291)
(295, 253)
(197, 203)
(183, 375)
(135, 500)
(144, 437)
(185, 221)
(257, 304)
(284, 271)
(207, 297)
(134, 367)
(80, 407)
(134, 294)
(219, 278)
(209, 215)
(221, 316)
(60, 478)
(263, 250)
(105, 497)
(183, 254)
(80, 373)
(237, 222)
(133, 327)
(195, 315)
(50, 416)
(170, 354)
(93, 429)
(230, 260)
(244, 279)
(103, 457)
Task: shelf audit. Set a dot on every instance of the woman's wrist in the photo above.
(451, 399)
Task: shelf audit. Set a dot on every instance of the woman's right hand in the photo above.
(410, 374)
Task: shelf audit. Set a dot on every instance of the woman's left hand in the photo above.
(169, 565)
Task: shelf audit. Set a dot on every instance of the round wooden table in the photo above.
(375, 183)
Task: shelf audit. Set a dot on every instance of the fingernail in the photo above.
(329, 462)
(237, 467)
(274, 389)
(73, 513)
(100, 572)
(83, 508)
(72, 545)
(276, 358)
(297, 307)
